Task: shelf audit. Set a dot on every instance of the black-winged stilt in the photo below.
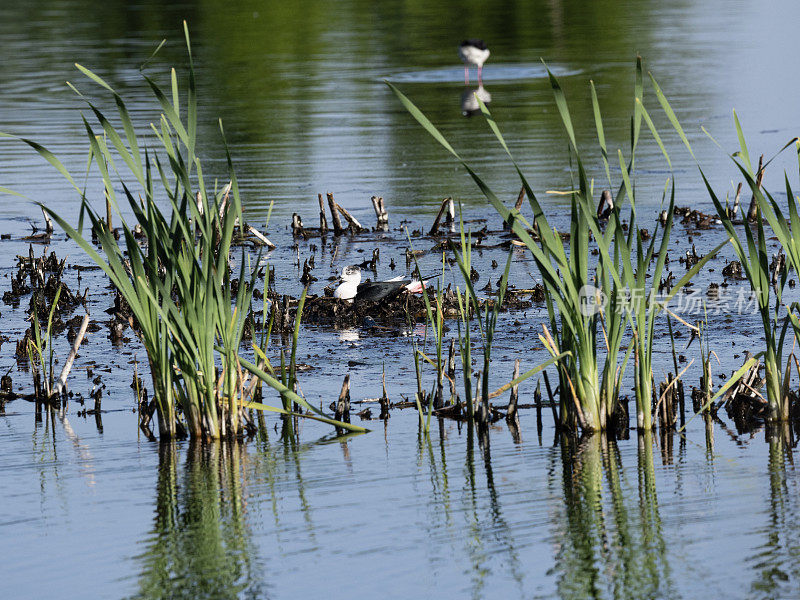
(473, 52)
(351, 287)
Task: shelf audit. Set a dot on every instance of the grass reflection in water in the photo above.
(609, 544)
(200, 544)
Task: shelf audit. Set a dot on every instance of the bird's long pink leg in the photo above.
(466, 75)
(480, 81)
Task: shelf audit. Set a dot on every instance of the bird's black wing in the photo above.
(475, 43)
(374, 291)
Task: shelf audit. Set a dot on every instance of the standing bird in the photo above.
(473, 52)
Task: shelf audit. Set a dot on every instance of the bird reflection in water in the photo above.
(349, 335)
(469, 100)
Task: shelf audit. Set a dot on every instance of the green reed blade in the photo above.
(665, 105)
(651, 126)
(743, 152)
(328, 420)
(285, 392)
(48, 156)
(561, 104)
(528, 374)
(601, 137)
(638, 91)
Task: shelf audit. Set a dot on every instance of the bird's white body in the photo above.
(474, 53)
(351, 278)
(473, 56)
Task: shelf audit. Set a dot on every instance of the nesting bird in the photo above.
(348, 288)
(351, 287)
(474, 53)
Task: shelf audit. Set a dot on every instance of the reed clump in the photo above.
(767, 282)
(177, 280)
(594, 306)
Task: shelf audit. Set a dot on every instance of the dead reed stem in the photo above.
(62, 379)
(323, 221)
(434, 230)
(337, 222)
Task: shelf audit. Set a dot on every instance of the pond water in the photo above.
(91, 508)
(390, 514)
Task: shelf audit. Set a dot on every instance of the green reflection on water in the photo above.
(200, 544)
(776, 563)
(610, 543)
(298, 85)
